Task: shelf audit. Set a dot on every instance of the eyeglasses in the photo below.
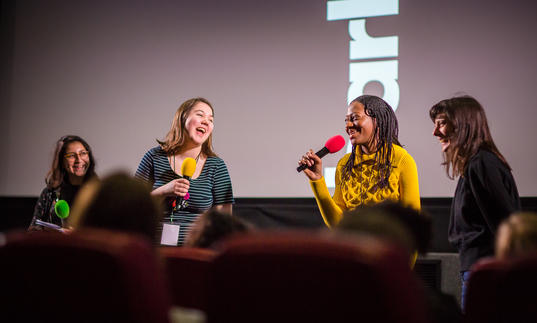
(80, 154)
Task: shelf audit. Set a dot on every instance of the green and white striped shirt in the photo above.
(212, 187)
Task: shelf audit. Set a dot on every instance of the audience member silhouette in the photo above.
(404, 226)
(213, 226)
(517, 236)
(411, 230)
(119, 202)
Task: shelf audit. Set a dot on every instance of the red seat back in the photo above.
(300, 276)
(88, 276)
(188, 272)
(503, 291)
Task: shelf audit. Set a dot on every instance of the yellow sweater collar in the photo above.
(362, 157)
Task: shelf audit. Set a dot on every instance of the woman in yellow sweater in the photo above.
(377, 169)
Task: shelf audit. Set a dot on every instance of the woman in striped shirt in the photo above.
(210, 186)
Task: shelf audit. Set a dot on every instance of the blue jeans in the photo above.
(465, 276)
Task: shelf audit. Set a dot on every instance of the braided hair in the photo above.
(385, 134)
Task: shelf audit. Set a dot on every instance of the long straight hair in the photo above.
(176, 137)
(470, 132)
(57, 173)
(386, 133)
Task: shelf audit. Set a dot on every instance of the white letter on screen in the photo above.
(330, 176)
(385, 72)
(364, 46)
(350, 9)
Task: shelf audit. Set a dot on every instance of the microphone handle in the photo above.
(179, 199)
(321, 153)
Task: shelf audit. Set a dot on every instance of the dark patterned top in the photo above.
(44, 208)
(212, 187)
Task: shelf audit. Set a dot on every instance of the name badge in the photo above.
(170, 234)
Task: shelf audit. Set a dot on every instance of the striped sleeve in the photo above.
(146, 168)
(222, 189)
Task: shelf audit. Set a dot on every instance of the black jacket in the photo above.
(485, 195)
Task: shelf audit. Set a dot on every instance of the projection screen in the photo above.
(279, 74)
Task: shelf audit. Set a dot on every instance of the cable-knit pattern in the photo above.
(362, 186)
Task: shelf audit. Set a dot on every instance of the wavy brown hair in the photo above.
(470, 132)
(386, 134)
(57, 173)
(175, 138)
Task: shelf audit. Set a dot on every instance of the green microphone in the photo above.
(62, 209)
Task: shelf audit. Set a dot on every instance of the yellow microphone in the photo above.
(188, 167)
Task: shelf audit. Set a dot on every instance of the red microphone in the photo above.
(332, 145)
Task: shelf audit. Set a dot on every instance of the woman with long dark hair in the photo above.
(190, 136)
(486, 192)
(73, 164)
(377, 169)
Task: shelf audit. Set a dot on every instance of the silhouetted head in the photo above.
(517, 235)
(118, 202)
(213, 226)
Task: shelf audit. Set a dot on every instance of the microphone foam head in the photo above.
(188, 167)
(335, 144)
(61, 208)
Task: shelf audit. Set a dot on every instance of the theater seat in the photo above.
(503, 291)
(304, 277)
(188, 272)
(88, 276)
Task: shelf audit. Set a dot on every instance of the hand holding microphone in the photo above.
(61, 208)
(179, 187)
(311, 163)
(188, 167)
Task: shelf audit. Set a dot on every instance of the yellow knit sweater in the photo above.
(362, 186)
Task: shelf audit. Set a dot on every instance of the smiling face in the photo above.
(443, 130)
(199, 123)
(359, 126)
(76, 160)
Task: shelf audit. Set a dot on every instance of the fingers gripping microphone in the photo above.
(332, 145)
(188, 167)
